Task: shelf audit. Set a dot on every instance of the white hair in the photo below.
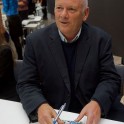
(84, 3)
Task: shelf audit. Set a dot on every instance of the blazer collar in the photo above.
(57, 51)
(83, 49)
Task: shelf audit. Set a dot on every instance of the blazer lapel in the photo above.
(82, 53)
(57, 51)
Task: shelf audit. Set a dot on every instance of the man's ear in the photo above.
(86, 14)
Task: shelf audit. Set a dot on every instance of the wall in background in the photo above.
(109, 15)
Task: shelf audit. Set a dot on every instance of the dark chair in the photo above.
(117, 110)
(17, 68)
(120, 70)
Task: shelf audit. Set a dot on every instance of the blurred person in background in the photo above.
(44, 8)
(31, 7)
(50, 8)
(23, 9)
(49, 12)
(7, 80)
(23, 13)
(10, 8)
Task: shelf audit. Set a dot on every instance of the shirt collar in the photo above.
(65, 40)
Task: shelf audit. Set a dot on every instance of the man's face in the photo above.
(69, 16)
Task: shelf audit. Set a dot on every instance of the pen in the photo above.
(59, 112)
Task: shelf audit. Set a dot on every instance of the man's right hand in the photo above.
(46, 114)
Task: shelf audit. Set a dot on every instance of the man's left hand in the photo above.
(93, 112)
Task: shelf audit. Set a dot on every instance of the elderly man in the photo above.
(68, 62)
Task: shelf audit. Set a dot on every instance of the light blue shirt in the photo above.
(65, 40)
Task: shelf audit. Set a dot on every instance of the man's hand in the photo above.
(93, 112)
(46, 113)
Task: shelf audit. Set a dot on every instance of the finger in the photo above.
(60, 121)
(90, 118)
(80, 116)
(50, 121)
(96, 120)
(54, 114)
(45, 120)
(42, 121)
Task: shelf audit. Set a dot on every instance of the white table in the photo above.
(32, 24)
(13, 113)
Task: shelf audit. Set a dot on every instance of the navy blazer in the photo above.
(45, 78)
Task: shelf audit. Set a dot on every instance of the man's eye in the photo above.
(71, 9)
(59, 8)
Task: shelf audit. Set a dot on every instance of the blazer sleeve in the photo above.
(109, 85)
(29, 78)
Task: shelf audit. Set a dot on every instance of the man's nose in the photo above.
(64, 13)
